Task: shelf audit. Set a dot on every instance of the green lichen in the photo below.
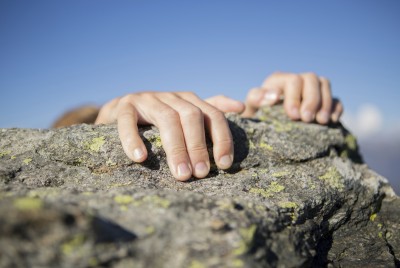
(123, 199)
(351, 142)
(334, 178)
(122, 184)
(373, 217)
(265, 146)
(150, 230)
(274, 187)
(380, 234)
(13, 157)
(28, 204)
(4, 153)
(27, 161)
(247, 235)
(110, 163)
(291, 205)
(72, 245)
(156, 140)
(95, 144)
(280, 174)
(196, 264)
(237, 263)
(158, 201)
(282, 126)
(251, 145)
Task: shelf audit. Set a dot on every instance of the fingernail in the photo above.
(307, 116)
(335, 118)
(294, 111)
(269, 98)
(184, 170)
(138, 153)
(225, 161)
(201, 169)
(324, 116)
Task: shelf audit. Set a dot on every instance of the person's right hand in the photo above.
(182, 119)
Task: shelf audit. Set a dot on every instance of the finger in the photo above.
(192, 121)
(225, 104)
(252, 102)
(324, 114)
(108, 112)
(311, 97)
(128, 132)
(172, 138)
(218, 127)
(337, 110)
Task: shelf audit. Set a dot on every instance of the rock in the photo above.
(298, 195)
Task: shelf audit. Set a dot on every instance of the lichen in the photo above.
(351, 142)
(265, 145)
(158, 201)
(247, 235)
(123, 199)
(28, 204)
(274, 187)
(280, 174)
(373, 217)
(334, 178)
(292, 205)
(27, 161)
(237, 263)
(4, 153)
(251, 145)
(282, 127)
(95, 144)
(196, 264)
(150, 230)
(73, 244)
(156, 140)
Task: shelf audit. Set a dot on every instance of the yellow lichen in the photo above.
(274, 187)
(27, 161)
(72, 245)
(266, 146)
(156, 140)
(282, 127)
(251, 145)
(150, 230)
(28, 204)
(373, 217)
(334, 178)
(196, 264)
(4, 153)
(122, 184)
(110, 163)
(247, 235)
(380, 234)
(280, 174)
(13, 157)
(158, 201)
(237, 263)
(123, 199)
(93, 262)
(292, 205)
(95, 144)
(380, 225)
(351, 142)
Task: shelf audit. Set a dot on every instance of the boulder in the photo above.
(297, 195)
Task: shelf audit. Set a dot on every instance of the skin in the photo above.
(184, 119)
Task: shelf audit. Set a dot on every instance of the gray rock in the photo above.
(298, 195)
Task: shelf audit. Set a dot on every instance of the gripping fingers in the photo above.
(324, 114)
(311, 97)
(132, 143)
(192, 121)
(220, 133)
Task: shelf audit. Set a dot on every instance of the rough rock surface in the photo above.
(298, 195)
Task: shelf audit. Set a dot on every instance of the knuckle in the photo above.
(192, 112)
(169, 113)
(197, 147)
(177, 151)
(216, 115)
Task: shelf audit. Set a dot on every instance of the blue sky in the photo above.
(55, 55)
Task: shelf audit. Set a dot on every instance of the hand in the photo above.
(306, 97)
(182, 118)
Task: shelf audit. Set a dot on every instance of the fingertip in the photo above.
(323, 117)
(225, 161)
(293, 112)
(139, 155)
(183, 172)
